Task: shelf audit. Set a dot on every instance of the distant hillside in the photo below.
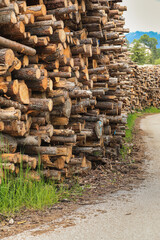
(136, 35)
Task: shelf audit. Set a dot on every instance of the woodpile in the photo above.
(141, 88)
(61, 62)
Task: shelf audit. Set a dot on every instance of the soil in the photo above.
(115, 175)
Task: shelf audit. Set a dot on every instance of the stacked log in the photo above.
(61, 64)
(140, 89)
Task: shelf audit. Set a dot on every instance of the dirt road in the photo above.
(133, 215)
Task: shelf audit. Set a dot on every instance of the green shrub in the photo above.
(157, 61)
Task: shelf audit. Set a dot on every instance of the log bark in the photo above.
(7, 143)
(28, 74)
(14, 128)
(9, 103)
(29, 140)
(64, 139)
(37, 10)
(10, 114)
(51, 151)
(4, 3)
(80, 93)
(40, 104)
(62, 11)
(63, 110)
(17, 46)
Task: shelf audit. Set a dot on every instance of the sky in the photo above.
(142, 15)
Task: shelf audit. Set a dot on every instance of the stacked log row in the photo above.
(140, 89)
(61, 64)
(99, 20)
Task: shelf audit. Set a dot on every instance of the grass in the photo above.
(157, 61)
(18, 193)
(132, 118)
(126, 148)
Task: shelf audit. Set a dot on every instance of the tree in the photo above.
(138, 53)
(127, 42)
(158, 53)
(151, 43)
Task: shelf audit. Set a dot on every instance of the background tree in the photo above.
(127, 42)
(151, 43)
(138, 53)
(158, 52)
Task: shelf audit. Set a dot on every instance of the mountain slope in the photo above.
(136, 35)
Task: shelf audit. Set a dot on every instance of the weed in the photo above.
(132, 118)
(18, 192)
(126, 148)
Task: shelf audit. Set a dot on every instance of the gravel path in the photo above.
(133, 215)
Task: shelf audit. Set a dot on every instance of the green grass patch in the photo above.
(130, 125)
(126, 149)
(132, 118)
(18, 193)
(157, 61)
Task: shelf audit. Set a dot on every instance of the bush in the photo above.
(157, 61)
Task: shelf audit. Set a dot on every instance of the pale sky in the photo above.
(142, 15)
